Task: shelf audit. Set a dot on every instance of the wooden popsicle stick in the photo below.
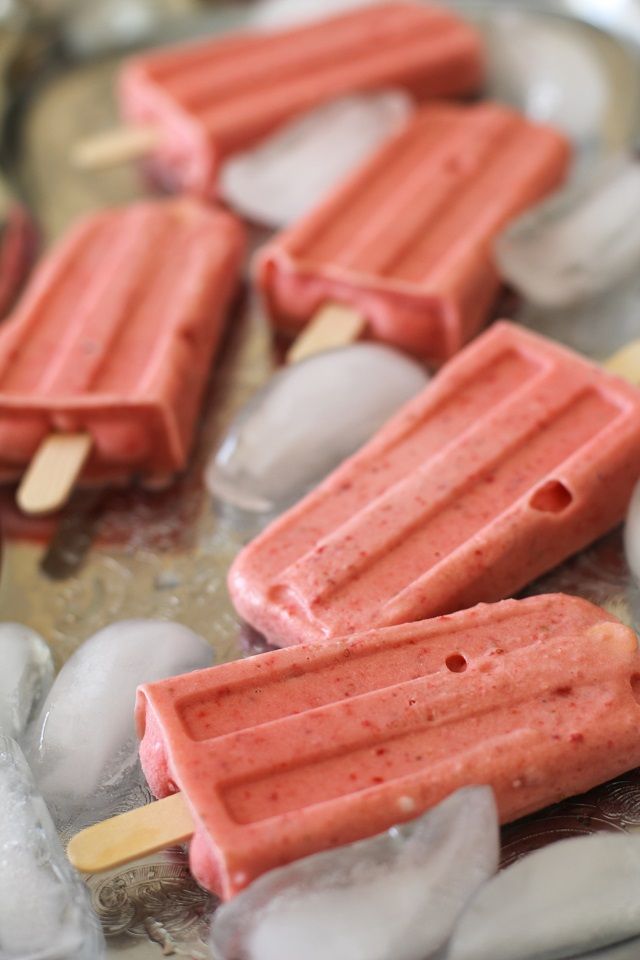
(51, 475)
(333, 325)
(131, 835)
(625, 362)
(113, 146)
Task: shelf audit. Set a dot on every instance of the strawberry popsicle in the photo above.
(516, 455)
(296, 751)
(407, 242)
(115, 336)
(191, 106)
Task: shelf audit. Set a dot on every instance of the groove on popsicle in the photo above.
(452, 194)
(423, 518)
(244, 67)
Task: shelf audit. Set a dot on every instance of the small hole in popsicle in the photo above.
(635, 686)
(456, 663)
(553, 497)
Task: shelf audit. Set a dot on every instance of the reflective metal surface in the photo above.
(133, 553)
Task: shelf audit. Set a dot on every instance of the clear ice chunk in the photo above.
(632, 534)
(278, 14)
(102, 26)
(290, 172)
(598, 327)
(581, 241)
(306, 420)
(45, 912)
(393, 897)
(26, 673)
(83, 746)
(563, 900)
(547, 70)
(628, 950)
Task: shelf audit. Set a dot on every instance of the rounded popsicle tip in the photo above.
(51, 475)
(333, 325)
(81, 853)
(104, 846)
(112, 147)
(131, 835)
(617, 636)
(626, 363)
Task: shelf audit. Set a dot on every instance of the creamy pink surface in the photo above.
(516, 455)
(210, 99)
(115, 335)
(408, 240)
(289, 753)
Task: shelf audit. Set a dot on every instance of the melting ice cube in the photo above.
(307, 419)
(45, 912)
(393, 897)
(632, 533)
(581, 241)
(26, 673)
(561, 901)
(544, 69)
(83, 748)
(278, 14)
(629, 950)
(291, 171)
(598, 327)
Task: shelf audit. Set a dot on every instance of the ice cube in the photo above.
(581, 241)
(278, 14)
(287, 174)
(26, 673)
(83, 747)
(629, 950)
(632, 533)
(45, 913)
(102, 26)
(561, 901)
(393, 897)
(307, 419)
(597, 327)
(544, 68)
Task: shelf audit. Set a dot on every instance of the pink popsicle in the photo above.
(516, 455)
(407, 241)
(115, 336)
(292, 752)
(207, 100)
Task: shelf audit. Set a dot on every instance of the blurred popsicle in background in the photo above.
(190, 106)
(403, 251)
(103, 364)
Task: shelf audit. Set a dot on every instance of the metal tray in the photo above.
(138, 554)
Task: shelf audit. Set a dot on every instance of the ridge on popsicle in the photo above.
(189, 106)
(110, 348)
(299, 750)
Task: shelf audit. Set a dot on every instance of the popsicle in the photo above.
(516, 455)
(109, 350)
(404, 248)
(190, 106)
(299, 750)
